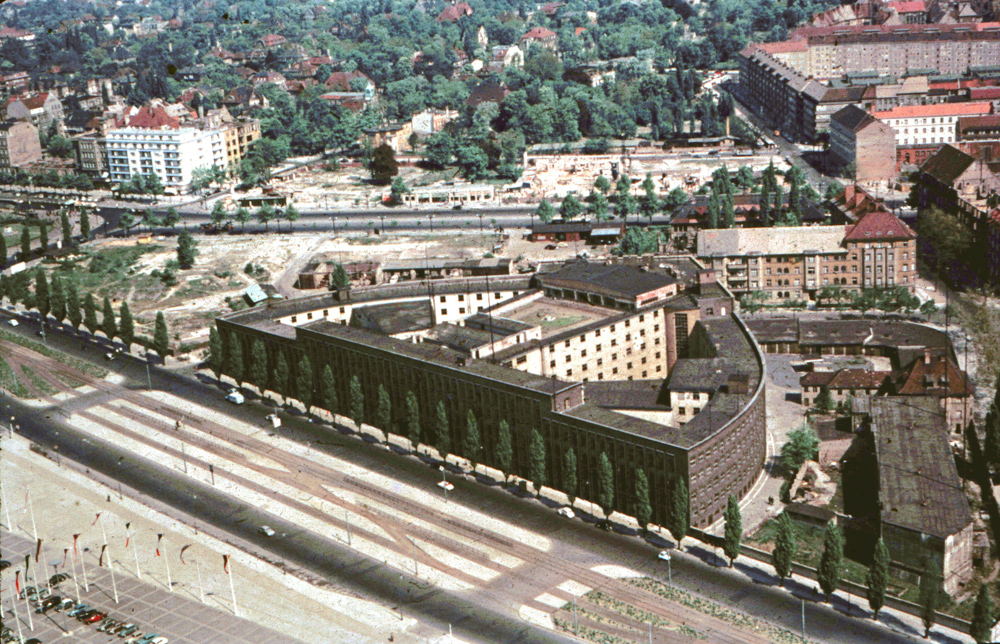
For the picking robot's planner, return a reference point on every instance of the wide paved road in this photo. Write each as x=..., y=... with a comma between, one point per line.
x=487, y=608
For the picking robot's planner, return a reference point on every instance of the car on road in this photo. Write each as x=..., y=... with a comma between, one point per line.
x=4, y=564
x=664, y=555
x=550, y=247
x=446, y=485
x=567, y=512
x=266, y=530
x=235, y=397
x=13, y=322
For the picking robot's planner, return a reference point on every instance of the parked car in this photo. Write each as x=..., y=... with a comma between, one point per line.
x=126, y=630
x=80, y=610
x=4, y=564
x=567, y=512
x=66, y=604
x=93, y=618
x=148, y=639
x=235, y=397
x=58, y=578
x=160, y=640
x=267, y=531
x=664, y=555
x=13, y=322
x=108, y=625
x=50, y=603
x=446, y=485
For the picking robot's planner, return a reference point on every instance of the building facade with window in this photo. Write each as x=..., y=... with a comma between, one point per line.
x=172, y=155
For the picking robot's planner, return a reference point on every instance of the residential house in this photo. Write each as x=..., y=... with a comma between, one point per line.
x=486, y=92
x=42, y=109
x=191, y=74
x=270, y=41
x=14, y=83
x=542, y=36
x=395, y=135
x=268, y=76
x=19, y=144
x=863, y=142
x=842, y=384
x=455, y=11
x=922, y=129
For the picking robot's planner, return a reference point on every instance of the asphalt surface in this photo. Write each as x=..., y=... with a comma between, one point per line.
x=743, y=588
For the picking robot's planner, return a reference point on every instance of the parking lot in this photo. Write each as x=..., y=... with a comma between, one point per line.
x=153, y=609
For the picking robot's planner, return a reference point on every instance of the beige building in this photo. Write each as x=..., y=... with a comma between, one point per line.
x=861, y=140
x=19, y=144
x=794, y=263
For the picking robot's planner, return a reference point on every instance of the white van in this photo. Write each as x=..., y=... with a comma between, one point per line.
x=235, y=397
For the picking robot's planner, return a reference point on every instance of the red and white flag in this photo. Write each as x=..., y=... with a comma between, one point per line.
x=182, y=553
x=75, y=537
x=100, y=560
x=17, y=581
x=128, y=535
x=38, y=550
x=96, y=519
x=159, y=538
x=65, y=554
x=225, y=563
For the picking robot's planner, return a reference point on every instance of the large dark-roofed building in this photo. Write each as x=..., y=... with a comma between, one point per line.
x=613, y=286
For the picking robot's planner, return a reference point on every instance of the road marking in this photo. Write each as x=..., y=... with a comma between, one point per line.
x=574, y=588
x=550, y=600
x=537, y=617
x=617, y=572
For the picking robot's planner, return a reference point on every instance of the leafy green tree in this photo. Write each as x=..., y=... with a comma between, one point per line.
x=258, y=365
x=85, y=226
x=42, y=302
x=472, y=446
x=399, y=189
x=73, y=305
x=25, y=243
x=413, y=419
x=215, y=355
x=733, y=531
x=328, y=388
x=67, y=231
x=108, y=324
x=649, y=204
x=234, y=359
x=784, y=547
x=602, y=184
x=570, y=208
x=930, y=597
x=127, y=221
x=187, y=249
x=728, y=211
x=3, y=250
x=57, y=300
x=304, y=382
x=473, y=161
x=243, y=216
x=281, y=376
x=831, y=560
x=824, y=402
x=545, y=211
x=439, y=149
x=949, y=240
x=675, y=199
x=219, y=213
x=292, y=215
x=43, y=237
x=643, y=509
x=383, y=166
x=161, y=336
x=878, y=578
x=625, y=204
x=679, y=510
x=714, y=213
x=357, y=401
x=744, y=176
x=569, y=475
x=339, y=277
x=172, y=218
x=442, y=430
x=505, y=448
x=265, y=215
x=126, y=327
x=802, y=445
x=605, y=484
x=536, y=461
x=636, y=241
x=983, y=616
x=383, y=410
x=599, y=206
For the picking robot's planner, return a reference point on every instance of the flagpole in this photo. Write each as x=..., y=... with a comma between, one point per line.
x=17, y=620
x=232, y=590
x=135, y=554
x=111, y=563
x=166, y=563
x=34, y=529
x=83, y=567
x=6, y=508
x=27, y=606
x=76, y=586
x=201, y=589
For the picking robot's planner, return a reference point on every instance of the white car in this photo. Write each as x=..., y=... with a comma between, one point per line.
x=13, y=322
x=446, y=485
x=567, y=512
x=235, y=397
x=664, y=555
x=267, y=531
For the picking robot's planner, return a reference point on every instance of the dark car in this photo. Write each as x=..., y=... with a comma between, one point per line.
x=50, y=603
x=34, y=640
x=58, y=578
x=4, y=564
x=79, y=610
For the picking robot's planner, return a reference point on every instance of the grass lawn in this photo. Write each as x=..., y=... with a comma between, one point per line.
x=9, y=382
x=81, y=365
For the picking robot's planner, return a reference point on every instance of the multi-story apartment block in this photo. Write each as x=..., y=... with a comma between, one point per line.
x=786, y=99
x=19, y=144
x=170, y=154
x=794, y=263
x=922, y=129
x=860, y=139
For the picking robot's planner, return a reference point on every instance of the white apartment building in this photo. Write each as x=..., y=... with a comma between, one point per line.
x=170, y=154
x=929, y=124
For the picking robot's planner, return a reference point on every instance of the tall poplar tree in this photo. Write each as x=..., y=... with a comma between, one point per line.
x=442, y=430
x=878, y=578
x=108, y=324
x=569, y=475
x=505, y=449
x=161, y=336
x=413, y=419
x=258, y=365
x=234, y=360
x=679, y=510
x=90, y=313
x=328, y=387
x=734, y=530
x=126, y=326
x=304, y=382
x=383, y=411
x=643, y=509
x=471, y=446
x=281, y=377
x=57, y=301
x=605, y=485
x=784, y=548
x=215, y=356
x=536, y=461
x=42, y=302
x=73, y=305
x=357, y=401
x=67, y=231
x=831, y=560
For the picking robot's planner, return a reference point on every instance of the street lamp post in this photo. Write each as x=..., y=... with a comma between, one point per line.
x=444, y=482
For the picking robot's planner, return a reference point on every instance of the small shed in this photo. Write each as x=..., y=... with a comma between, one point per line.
x=811, y=515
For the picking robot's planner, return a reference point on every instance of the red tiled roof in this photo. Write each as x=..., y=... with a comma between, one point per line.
x=270, y=40
x=938, y=109
x=341, y=81
x=785, y=46
x=155, y=118
x=879, y=225
x=984, y=93
x=538, y=33
x=454, y=12
x=936, y=376
x=35, y=101
x=845, y=379
x=914, y=6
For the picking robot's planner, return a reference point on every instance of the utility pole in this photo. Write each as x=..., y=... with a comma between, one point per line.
x=803, y=620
